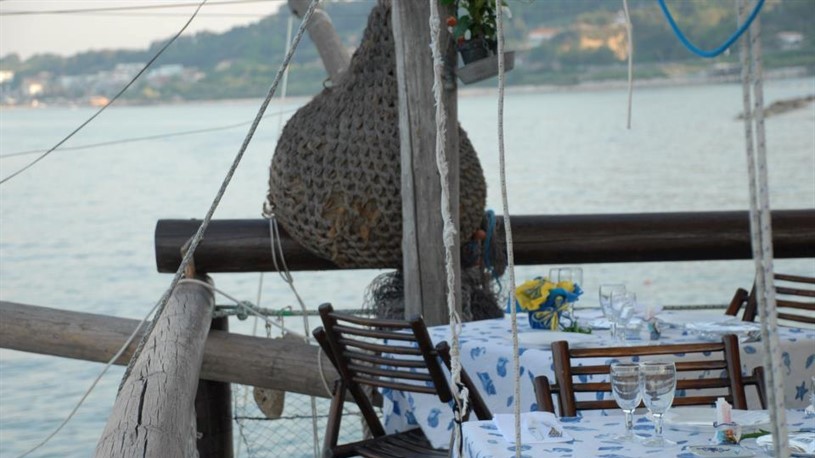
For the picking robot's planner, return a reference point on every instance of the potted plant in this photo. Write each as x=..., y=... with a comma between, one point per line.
x=473, y=27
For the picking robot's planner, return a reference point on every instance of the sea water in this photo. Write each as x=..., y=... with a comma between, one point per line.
x=76, y=230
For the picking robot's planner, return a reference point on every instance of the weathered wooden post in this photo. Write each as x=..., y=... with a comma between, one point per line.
x=422, y=244
x=154, y=413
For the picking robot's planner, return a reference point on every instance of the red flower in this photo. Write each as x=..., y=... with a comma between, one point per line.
x=451, y=21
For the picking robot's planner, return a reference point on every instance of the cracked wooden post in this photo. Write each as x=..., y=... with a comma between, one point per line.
x=154, y=413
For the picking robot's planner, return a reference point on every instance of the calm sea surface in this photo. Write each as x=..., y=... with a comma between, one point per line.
x=76, y=231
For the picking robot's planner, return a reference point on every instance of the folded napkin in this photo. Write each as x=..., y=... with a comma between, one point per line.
x=800, y=442
x=536, y=428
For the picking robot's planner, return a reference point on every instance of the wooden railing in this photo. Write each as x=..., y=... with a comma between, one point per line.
x=243, y=245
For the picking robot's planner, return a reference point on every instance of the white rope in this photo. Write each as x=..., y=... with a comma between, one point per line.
x=449, y=233
x=277, y=249
x=761, y=233
x=199, y=234
x=630, y=39
x=516, y=365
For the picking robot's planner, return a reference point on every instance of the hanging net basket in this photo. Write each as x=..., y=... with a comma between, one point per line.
x=335, y=175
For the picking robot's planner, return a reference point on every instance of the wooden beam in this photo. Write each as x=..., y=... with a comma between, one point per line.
x=154, y=412
x=334, y=55
x=422, y=225
x=243, y=245
x=281, y=364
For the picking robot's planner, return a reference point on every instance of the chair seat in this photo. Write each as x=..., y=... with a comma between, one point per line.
x=408, y=444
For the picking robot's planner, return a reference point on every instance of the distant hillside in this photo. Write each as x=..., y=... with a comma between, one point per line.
x=558, y=42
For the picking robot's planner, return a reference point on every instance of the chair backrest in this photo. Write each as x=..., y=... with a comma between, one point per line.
x=571, y=363
x=380, y=353
x=795, y=299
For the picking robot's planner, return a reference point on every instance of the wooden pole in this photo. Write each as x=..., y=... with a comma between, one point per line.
x=213, y=411
x=154, y=413
x=422, y=244
x=243, y=245
x=334, y=55
x=280, y=364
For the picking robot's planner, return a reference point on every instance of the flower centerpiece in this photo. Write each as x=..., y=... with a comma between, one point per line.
x=549, y=304
x=473, y=27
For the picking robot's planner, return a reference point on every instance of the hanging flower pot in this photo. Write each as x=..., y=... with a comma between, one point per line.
x=475, y=49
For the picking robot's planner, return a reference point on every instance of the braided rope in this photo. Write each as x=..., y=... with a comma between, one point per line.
x=516, y=364
x=199, y=234
x=761, y=232
x=449, y=232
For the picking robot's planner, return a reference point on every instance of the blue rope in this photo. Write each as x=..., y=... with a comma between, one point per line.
x=720, y=49
x=490, y=228
x=487, y=249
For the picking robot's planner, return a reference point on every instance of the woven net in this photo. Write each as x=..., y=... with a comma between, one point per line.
x=335, y=175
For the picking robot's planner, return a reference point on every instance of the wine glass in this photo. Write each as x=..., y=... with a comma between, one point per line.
x=625, y=386
x=658, y=384
x=605, y=303
x=622, y=305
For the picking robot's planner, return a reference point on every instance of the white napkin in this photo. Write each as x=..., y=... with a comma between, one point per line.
x=646, y=311
x=799, y=442
x=535, y=428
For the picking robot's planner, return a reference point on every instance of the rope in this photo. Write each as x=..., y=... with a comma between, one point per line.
x=630, y=39
x=516, y=365
x=761, y=234
x=285, y=274
x=716, y=51
x=113, y=99
x=205, y=223
x=449, y=233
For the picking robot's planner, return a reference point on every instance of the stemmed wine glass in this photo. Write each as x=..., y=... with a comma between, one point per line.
x=606, y=291
x=658, y=384
x=625, y=386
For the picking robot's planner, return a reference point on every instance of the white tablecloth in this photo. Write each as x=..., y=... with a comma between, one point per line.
x=593, y=435
x=486, y=354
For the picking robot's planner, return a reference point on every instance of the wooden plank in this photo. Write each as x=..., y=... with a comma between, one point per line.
x=333, y=54
x=281, y=364
x=422, y=225
x=243, y=245
x=154, y=412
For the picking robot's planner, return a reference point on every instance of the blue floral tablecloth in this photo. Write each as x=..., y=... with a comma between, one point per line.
x=486, y=354
x=592, y=437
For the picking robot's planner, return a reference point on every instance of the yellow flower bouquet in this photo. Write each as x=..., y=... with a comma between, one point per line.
x=549, y=304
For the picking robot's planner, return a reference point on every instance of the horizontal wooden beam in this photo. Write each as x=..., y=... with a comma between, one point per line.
x=281, y=364
x=243, y=245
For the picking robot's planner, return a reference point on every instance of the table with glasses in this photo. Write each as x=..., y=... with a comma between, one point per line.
x=593, y=433
x=487, y=355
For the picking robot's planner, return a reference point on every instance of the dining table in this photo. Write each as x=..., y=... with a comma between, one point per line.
x=593, y=435
x=486, y=353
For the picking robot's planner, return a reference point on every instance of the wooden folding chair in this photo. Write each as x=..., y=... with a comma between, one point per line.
x=794, y=300
x=568, y=364
x=379, y=353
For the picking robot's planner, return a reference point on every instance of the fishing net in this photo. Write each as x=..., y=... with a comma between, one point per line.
x=335, y=176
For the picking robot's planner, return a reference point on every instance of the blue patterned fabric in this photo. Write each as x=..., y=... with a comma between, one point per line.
x=486, y=354
x=593, y=434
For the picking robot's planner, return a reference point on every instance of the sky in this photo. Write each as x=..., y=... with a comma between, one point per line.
x=65, y=34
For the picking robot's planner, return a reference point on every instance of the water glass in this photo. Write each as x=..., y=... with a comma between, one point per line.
x=658, y=385
x=606, y=291
x=625, y=387
x=622, y=305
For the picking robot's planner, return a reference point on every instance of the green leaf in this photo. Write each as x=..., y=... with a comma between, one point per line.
x=756, y=434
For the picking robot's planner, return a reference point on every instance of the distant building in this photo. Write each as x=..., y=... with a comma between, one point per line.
x=6, y=76
x=537, y=36
x=789, y=40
